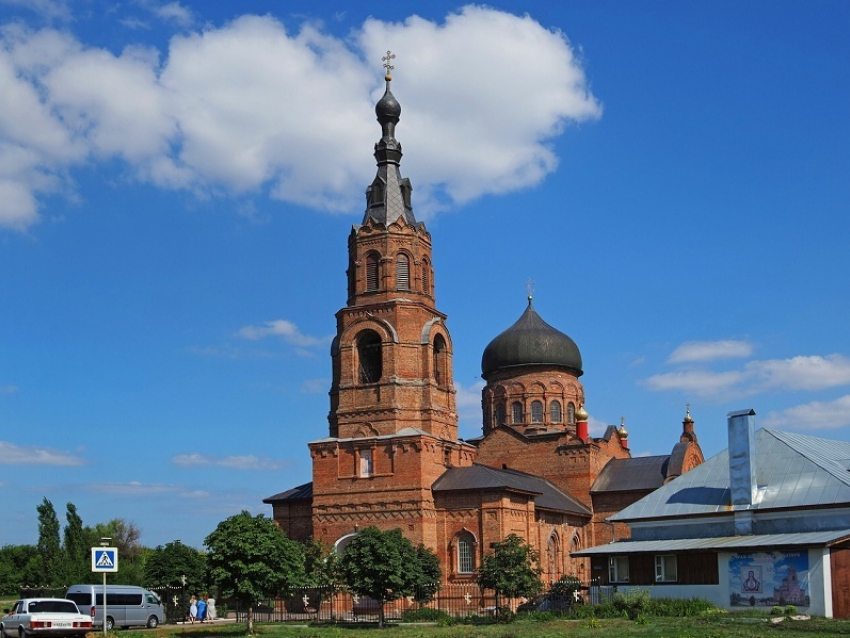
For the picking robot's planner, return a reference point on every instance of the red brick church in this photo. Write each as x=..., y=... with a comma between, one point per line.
x=392, y=457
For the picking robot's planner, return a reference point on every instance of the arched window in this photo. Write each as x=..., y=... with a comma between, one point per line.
x=465, y=553
x=342, y=543
x=440, y=360
x=516, y=412
x=537, y=412
x=373, y=263
x=571, y=413
x=426, y=276
x=402, y=272
x=500, y=413
x=370, y=357
x=553, y=555
x=555, y=415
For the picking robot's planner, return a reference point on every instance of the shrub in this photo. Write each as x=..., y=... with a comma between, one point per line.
x=424, y=614
x=790, y=610
x=505, y=615
x=776, y=610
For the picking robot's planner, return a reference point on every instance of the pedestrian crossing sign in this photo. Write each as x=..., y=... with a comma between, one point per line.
x=104, y=559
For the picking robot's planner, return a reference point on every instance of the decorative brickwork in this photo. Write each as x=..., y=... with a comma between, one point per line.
x=393, y=459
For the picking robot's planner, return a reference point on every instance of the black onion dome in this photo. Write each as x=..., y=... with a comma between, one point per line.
x=388, y=109
x=531, y=342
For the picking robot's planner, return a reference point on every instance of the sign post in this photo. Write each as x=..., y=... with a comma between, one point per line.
x=104, y=560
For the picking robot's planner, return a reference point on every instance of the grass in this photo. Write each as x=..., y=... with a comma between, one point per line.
x=725, y=626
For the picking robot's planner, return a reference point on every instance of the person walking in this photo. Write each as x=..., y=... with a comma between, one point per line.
x=193, y=609
x=202, y=609
x=211, y=608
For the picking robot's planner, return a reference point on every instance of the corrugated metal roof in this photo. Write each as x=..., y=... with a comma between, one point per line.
x=718, y=543
x=638, y=473
x=483, y=477
x=792, y=470
x=295, y=494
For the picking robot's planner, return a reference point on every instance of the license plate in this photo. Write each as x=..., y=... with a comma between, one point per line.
x=63, y=624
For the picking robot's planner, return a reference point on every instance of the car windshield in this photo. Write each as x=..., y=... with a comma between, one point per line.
x=53, y=606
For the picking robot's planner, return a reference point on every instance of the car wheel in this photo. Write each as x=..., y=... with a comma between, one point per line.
x=153, y=621
x=110, y=623
x=22, y=633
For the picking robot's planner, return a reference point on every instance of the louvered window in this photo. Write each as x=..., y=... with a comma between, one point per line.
x=571, y=413
x=372, y=264
x=555, y=415
x=402, y=272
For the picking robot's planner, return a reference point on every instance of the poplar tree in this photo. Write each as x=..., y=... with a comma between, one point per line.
x=76, y=547
x=49, y=549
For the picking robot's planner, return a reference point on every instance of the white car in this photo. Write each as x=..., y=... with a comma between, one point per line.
x=44, y=617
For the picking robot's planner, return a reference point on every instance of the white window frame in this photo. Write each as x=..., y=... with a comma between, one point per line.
x=618, y=569
x=666, y=568
x=367, y=467
x=465, y=554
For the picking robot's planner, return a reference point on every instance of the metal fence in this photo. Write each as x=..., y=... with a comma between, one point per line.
x=456, y=600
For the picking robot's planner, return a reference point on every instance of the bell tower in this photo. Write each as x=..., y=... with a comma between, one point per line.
x=392, y=355
x=393, y=423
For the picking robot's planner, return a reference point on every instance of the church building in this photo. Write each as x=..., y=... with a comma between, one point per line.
x=392, y=457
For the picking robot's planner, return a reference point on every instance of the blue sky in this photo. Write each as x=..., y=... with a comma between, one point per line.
x=178, y=180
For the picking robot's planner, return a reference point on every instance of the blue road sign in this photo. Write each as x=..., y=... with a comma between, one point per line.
x=104, y=559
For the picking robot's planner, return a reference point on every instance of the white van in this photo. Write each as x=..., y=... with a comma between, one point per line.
x=126, y=605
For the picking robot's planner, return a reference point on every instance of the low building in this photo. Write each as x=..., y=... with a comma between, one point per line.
x=765, y=522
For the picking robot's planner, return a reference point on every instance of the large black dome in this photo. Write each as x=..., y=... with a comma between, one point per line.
x=531, y=342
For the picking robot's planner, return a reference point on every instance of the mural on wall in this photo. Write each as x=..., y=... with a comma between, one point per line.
x=769, y=578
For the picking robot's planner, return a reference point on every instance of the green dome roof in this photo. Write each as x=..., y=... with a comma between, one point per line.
x=531, y=342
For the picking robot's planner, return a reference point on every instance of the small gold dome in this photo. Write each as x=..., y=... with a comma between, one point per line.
x=582, y=415
x=623, y=432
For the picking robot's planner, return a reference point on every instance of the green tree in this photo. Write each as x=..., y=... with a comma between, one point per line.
x=77, y=567
x=49, y=549
x=382, y=565
x=124, y=536
x=19, y=567
x=429, y=575
x=165, y=566
x=511, y=569
x=250, y=558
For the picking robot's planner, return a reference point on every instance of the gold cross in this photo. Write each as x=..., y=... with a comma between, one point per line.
x=387, y=59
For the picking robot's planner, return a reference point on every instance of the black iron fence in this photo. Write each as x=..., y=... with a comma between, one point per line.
x=456, y=600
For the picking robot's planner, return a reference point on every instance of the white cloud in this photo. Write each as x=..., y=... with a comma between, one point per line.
x=692, y=351
x=250, y=104
x=801, y=373
x=47, y=9
x=237, y=462
x=794, y=374
x=12, y=454
x=595, y=427
x=700, y=382
x=282, y=328
x=133, y=488
x=173, y=12
x=817, y=415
